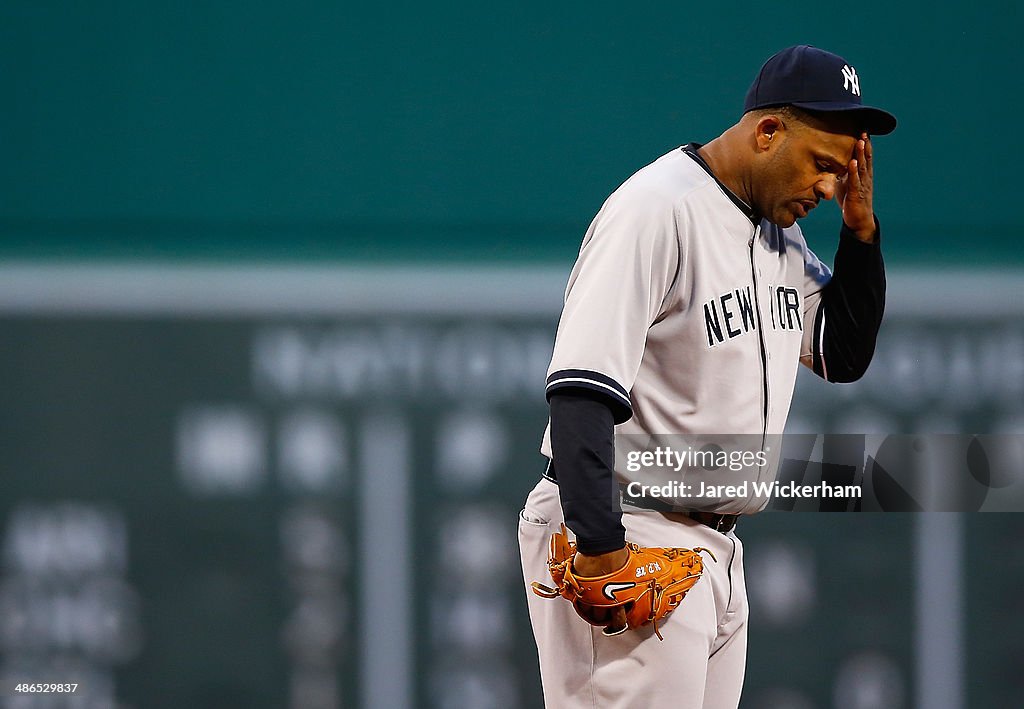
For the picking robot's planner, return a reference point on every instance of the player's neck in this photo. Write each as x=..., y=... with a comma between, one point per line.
x=725, y=160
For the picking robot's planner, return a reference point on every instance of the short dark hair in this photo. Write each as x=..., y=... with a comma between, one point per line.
x=831, y=121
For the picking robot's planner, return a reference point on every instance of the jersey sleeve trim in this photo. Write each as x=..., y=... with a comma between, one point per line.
x=818, y=344
x=613, y=392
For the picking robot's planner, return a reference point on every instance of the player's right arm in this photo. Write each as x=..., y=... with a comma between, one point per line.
x=618, y=287
x=582, y=437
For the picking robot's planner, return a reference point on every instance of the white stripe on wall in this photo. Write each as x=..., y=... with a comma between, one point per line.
x=939, y=642
x=134, y=289
x=385, y=564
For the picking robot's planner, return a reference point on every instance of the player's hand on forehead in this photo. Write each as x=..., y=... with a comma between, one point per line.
x=862, y=149
x=855, y=190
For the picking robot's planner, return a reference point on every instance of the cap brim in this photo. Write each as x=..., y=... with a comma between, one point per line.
x=875, y=120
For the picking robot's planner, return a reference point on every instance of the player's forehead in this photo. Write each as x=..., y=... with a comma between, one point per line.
x=837, y=146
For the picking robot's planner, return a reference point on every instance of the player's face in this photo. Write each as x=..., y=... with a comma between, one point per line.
x=800, y=170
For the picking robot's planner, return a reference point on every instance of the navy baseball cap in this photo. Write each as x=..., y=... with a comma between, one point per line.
x=816, y=80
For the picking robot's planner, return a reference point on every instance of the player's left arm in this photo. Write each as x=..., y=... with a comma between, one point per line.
x=845, y=315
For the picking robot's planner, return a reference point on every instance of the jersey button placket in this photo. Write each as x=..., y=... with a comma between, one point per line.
x=762, y=345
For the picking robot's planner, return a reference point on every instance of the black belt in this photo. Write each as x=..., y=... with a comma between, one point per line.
x=723, y=523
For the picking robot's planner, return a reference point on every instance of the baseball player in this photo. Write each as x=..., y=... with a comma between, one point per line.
x=693, y=299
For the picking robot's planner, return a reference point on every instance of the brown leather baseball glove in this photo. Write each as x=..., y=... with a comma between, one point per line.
x=649, y=587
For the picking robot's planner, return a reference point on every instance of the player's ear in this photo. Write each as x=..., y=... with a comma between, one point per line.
x=767, y=129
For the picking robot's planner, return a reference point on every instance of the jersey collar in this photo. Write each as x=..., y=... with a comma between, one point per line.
x=748, y=211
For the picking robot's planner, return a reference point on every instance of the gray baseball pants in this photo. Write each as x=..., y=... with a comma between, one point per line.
x=700, y=663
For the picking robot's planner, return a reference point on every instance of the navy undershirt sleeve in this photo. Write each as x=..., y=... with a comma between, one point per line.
x=583, y=457
x=851, y=309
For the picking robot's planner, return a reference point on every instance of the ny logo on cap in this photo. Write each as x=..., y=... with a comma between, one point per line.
x=850, y=80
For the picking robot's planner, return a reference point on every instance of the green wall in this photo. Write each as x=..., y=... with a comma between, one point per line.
x=456, y=130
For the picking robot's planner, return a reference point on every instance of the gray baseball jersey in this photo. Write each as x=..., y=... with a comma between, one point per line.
x=719, y=314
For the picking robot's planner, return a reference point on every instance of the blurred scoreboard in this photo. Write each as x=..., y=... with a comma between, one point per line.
x=259, y=513
x=298, y=488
